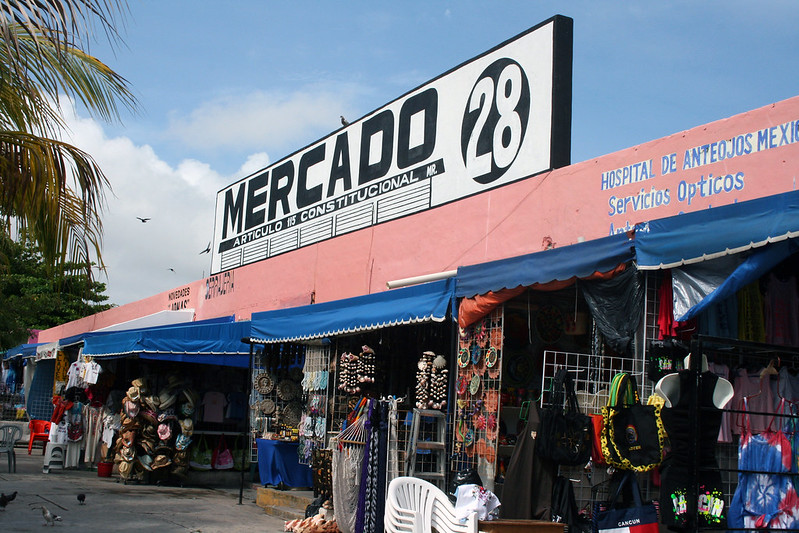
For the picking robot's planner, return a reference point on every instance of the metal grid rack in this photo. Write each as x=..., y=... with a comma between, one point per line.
x=315, y=386
x=592, y=375
x=279, y=360
x=477, y=404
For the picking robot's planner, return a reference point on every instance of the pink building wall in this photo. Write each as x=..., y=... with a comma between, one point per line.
x=682, y=172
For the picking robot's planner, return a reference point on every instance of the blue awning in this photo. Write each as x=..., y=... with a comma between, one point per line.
x=81, y=337
x=577, y=260
x=22, y=350
x=751, y=268
x=716, y=232
x=218, y=344
x=408, y=305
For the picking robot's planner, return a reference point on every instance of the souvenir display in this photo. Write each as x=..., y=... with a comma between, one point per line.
x=431, y=381
x=464, y=357
x=264, y=383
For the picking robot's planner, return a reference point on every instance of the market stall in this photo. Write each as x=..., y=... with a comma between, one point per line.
x=155, y=400
x=366, y=362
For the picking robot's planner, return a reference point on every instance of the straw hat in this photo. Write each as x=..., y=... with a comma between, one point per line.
x=167, y=398
x=134, y=393
x=125, y=469
x=161, y=461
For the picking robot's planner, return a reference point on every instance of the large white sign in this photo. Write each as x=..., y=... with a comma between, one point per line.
x=501, y=117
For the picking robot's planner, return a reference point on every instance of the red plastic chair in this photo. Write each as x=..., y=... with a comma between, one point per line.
x=40, y=430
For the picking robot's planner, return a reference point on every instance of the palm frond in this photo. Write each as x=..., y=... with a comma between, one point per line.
x=38, y=71
x=54, y=190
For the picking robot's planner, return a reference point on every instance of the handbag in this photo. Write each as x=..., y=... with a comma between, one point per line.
x=241, y=456
x=200, y=457
x=596, y=440
x=563, y=508
x=467, y=476
x=633, y=436
x=222, y=459
x=564, y=435
x=640, y=518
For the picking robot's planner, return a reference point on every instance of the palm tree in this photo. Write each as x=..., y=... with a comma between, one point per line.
x=49, y=189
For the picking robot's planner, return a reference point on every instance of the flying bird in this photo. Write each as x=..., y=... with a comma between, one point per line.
x=143, y=220
x=81, y=498
x=344, y=121
x=207, y=249
x=172, y=269
x=5, y=499
x=49, y=518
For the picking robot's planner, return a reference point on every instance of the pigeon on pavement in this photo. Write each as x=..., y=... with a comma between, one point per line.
x=49, y=518
x=81, y=498
x=5, y=499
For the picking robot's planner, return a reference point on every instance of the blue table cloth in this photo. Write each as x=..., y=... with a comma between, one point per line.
x=278, y=463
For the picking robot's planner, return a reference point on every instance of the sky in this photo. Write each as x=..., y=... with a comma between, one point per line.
x=226, y=88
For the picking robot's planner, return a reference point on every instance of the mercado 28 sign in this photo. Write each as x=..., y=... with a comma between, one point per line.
x=498, y=118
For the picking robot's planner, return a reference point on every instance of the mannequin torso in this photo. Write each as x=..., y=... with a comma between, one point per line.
x=668, y=387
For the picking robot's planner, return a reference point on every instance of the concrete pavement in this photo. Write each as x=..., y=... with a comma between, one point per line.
x=112, y=506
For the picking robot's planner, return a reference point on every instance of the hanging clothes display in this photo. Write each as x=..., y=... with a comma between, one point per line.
x=528, y=477
x=765, y=497
x=751, y=322
x=782, y=310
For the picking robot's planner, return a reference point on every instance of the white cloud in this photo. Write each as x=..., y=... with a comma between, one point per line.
x=179, y=202
x=254, y=163
x=261, y=119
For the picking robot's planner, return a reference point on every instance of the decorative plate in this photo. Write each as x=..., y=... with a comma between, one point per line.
x=264, y=383
x=474, y=385
x=267, y=406
x=476, y=353
x=491, y=357
x=549, y=324
x=291, y=414
x=287, y=390
x=463, y=384
x=463, y=357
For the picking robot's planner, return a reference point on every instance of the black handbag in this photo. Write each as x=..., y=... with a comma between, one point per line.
x=467, y=476
x=564, y=435
x=563, y=508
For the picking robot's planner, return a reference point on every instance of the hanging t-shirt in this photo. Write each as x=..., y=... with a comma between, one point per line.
x=782, y=311
x=757, y=390
x=74, y=375
x=237, y=405
x=214, y=407
x=92, y=371
x=751, y=324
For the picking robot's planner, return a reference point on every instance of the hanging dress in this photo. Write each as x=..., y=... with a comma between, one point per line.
x=765, y=497
x=527, y=491
x=679, y=510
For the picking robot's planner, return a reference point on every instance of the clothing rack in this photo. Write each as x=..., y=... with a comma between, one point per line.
x=735, y=354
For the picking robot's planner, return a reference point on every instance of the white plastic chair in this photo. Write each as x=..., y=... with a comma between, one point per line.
x=417, y=506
